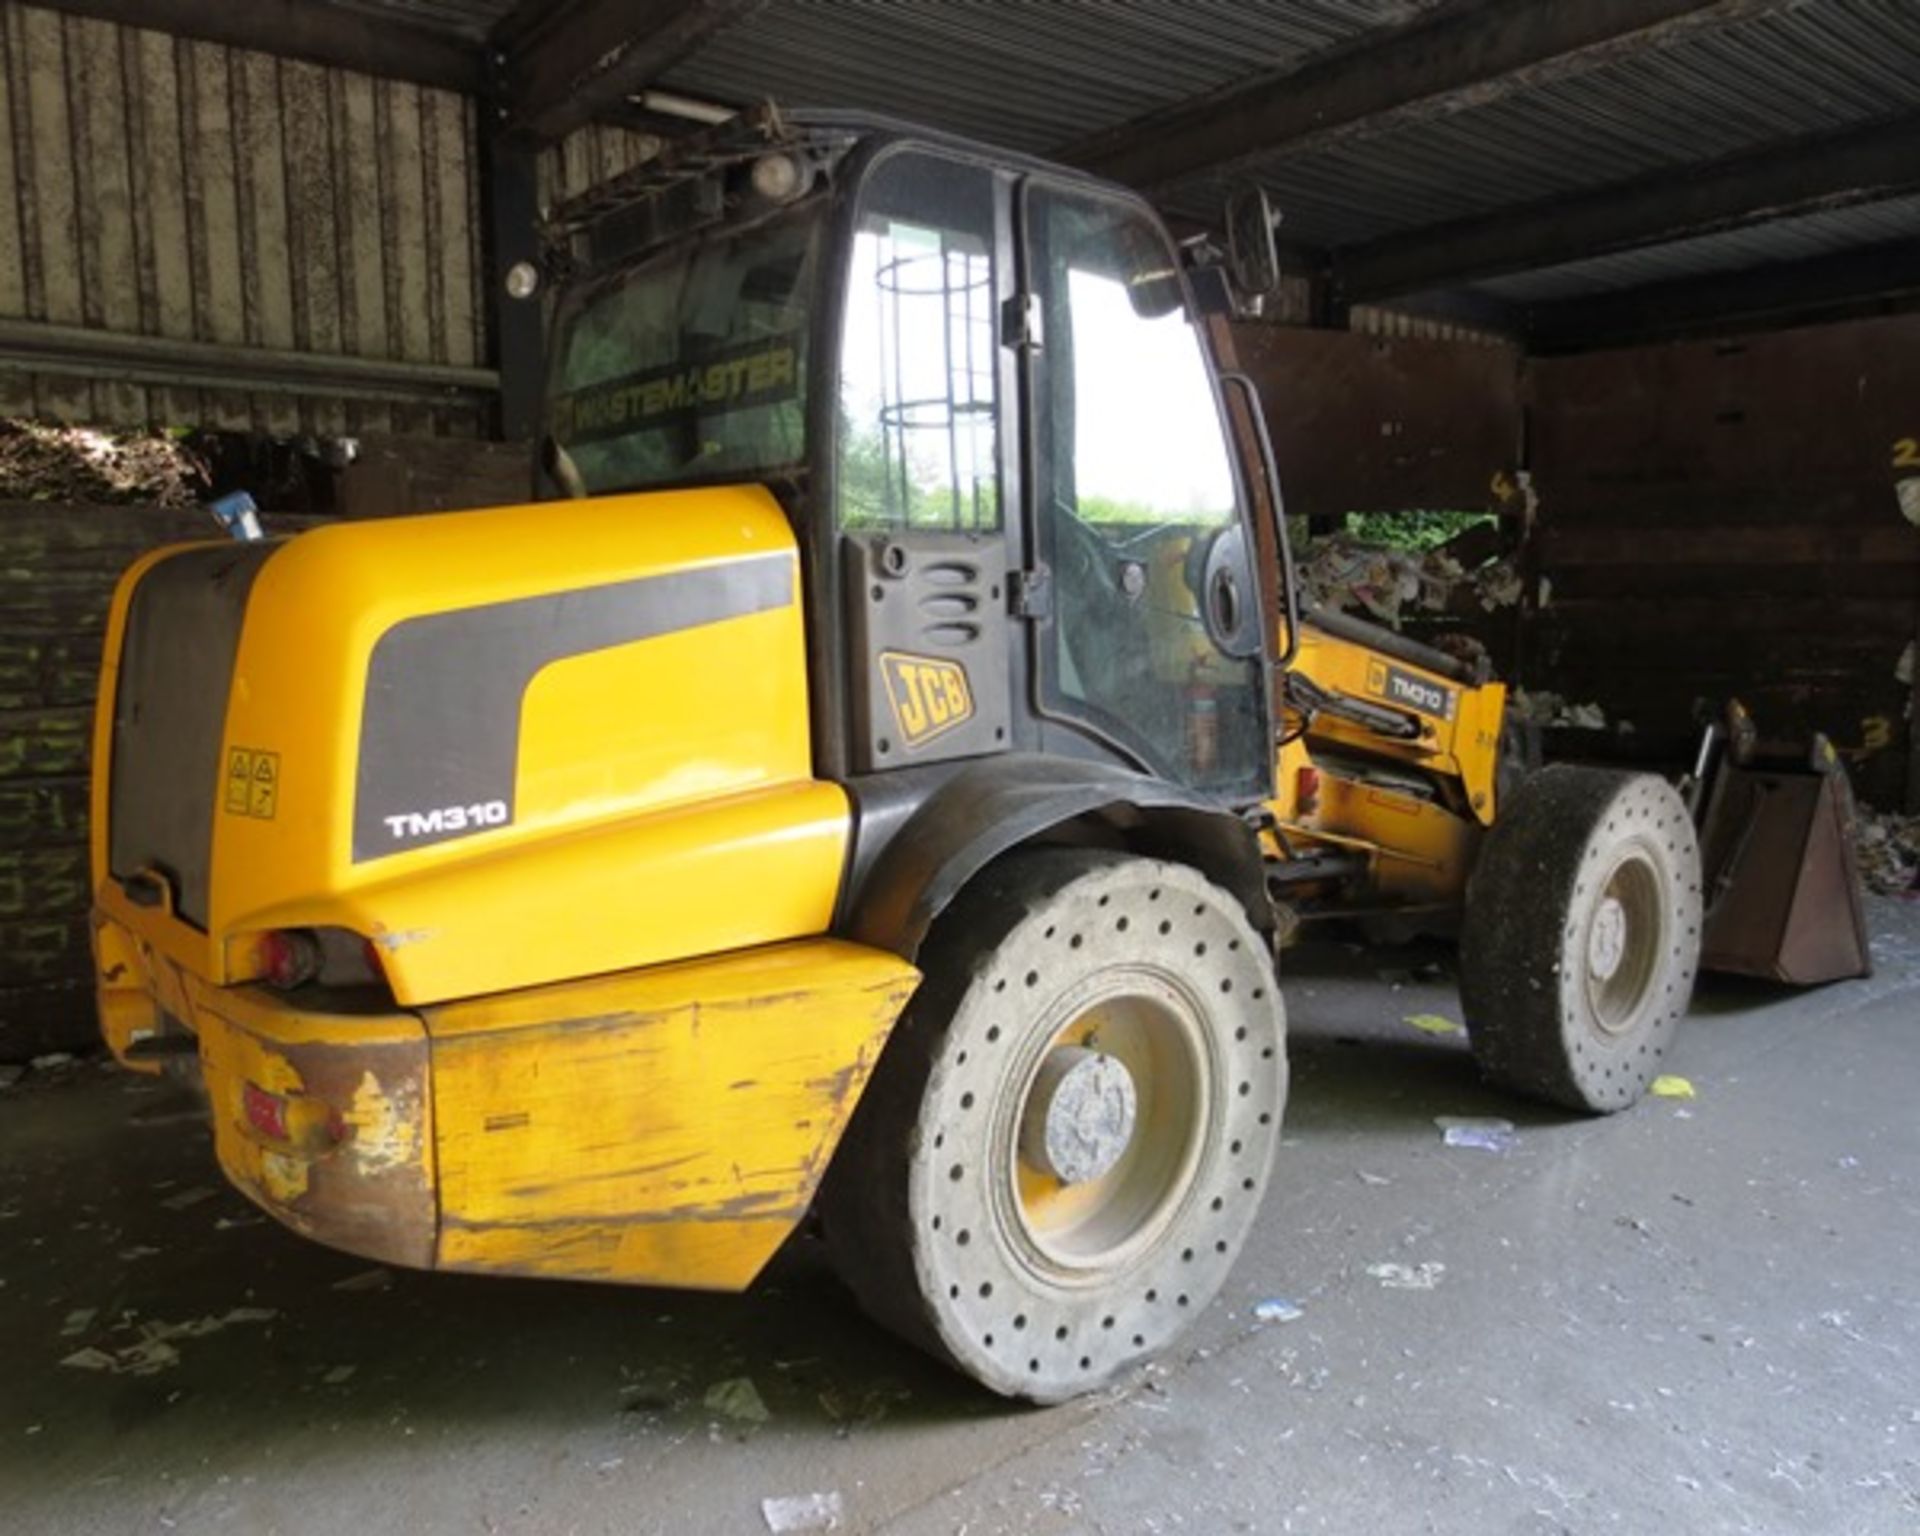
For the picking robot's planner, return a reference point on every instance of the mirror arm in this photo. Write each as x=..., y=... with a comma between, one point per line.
x=1270, y=472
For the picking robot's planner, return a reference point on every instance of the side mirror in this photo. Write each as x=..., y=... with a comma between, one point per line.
x=1253, y=255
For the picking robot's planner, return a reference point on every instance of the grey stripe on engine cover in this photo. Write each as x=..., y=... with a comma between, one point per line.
x=441, y=730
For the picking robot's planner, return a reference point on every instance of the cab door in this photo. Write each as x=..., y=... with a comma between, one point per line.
x=1148, y=642
x=923, y=545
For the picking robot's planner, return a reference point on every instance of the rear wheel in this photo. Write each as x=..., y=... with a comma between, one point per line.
x=1062, y=1150
x=1582, y=936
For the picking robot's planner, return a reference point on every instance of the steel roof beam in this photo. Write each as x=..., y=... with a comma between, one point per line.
x=565, y=65
x=1808, y=176
x=300, y=29
x=1777, y=293
x=1459, y=57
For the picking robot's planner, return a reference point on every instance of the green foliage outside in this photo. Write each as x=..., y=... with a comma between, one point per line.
x=871, y=486
x=1415, y=532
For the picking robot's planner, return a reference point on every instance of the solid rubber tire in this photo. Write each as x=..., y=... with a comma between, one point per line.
x=1533, y=895
x=907, y=1209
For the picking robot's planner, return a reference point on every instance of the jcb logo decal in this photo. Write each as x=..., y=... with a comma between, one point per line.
x=928, y=696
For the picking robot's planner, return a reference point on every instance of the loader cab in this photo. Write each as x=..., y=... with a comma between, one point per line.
x=982, y=390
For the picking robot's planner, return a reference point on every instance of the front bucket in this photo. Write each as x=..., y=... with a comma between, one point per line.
x=1783, y=889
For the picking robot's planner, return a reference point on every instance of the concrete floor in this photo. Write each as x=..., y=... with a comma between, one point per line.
x=1694, y=1317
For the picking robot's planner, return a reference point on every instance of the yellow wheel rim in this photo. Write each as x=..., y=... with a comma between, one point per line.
x=1096, y=1223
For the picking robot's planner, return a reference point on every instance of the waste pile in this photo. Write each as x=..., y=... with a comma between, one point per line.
x=1543, y=707
x=1888, y=846
x=43, y=462
x=1356, y=575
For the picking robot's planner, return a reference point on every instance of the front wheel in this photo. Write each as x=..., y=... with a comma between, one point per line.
x=1582, y=936
x=1062, y=1150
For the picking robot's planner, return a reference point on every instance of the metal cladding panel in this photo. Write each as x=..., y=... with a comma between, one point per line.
x=588, y=156
x=1814, y=68
x=184, y=190
x=1031, y=76
x=472, y=19
x=1816, y=234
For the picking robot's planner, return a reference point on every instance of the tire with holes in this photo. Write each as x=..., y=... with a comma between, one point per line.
x=1066, y=1141
x=1582, y=936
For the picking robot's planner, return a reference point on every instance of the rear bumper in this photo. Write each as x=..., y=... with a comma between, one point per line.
x=663, y=1126
x=355, y=1170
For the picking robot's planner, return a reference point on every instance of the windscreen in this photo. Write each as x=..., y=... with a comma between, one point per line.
x=693, y=365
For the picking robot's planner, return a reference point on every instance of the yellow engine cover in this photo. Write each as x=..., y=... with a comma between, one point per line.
x=512, y=746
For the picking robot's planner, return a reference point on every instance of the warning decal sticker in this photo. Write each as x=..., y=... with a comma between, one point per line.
x=253, y=783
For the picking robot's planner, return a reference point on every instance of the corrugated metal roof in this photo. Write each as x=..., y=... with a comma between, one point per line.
x=1030, y=76
x=1038, y=75
x=470, y=19
x=1818, y=69
x=1816, y=234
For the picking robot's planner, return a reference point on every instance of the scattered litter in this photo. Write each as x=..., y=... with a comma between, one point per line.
x=1377, y=1180
x=869, y=1409
x=366, y=1280
x=79, y=1320
x=739, y=1399
x=153, y=1351
x=803, y=1512
x=1542, y=707
x=52, y=1061
x=187, y=1198
x=1848, y=1162
x=234, y=1315
x=1667, y=1086
x=1408, y=1277
x=1434, y=1024
x=1887, y=845
x=147, y=1358
x=230, y=1223
x=339, y=1374
x=137, y=1251
x=1482, y=1133
x=1277, y=1309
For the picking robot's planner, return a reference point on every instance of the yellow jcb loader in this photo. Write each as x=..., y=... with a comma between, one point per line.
x=877, y=771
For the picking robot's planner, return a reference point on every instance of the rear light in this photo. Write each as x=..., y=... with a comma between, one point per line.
x=296, y=1121
x=266, y=1112
x=286, y=958
x=289, y=957
x=1306, y=799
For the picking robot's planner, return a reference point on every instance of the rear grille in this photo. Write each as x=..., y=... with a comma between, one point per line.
x=176, y=665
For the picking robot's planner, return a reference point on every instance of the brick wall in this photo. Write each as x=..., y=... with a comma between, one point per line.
x=58, y=564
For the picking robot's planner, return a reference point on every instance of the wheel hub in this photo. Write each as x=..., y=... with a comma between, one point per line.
x=1079, y=1115
x=1607, y=943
